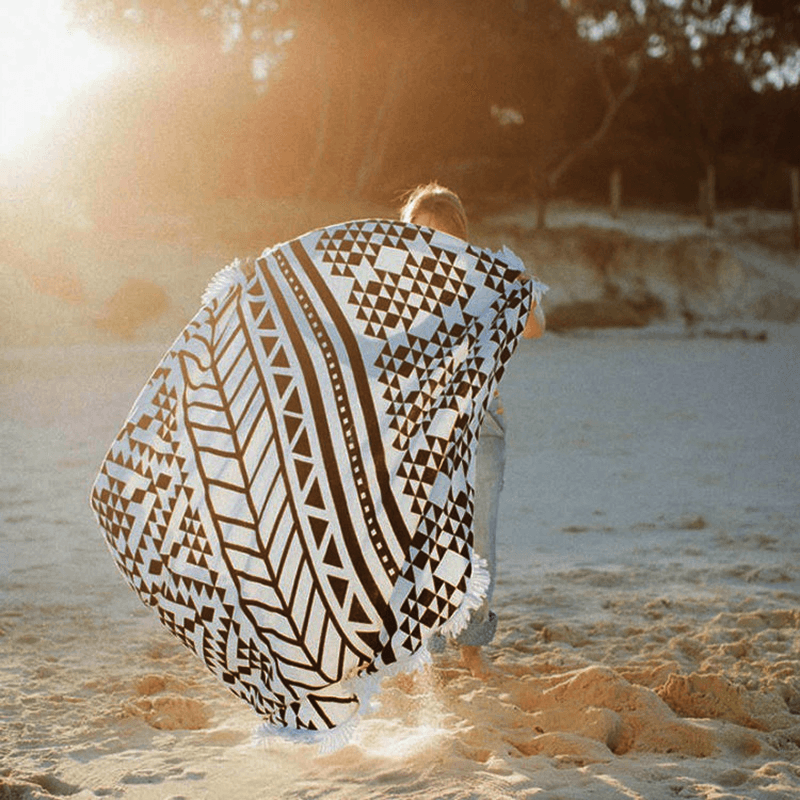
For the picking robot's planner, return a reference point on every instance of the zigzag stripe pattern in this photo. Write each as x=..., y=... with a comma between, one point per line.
x=292, y=490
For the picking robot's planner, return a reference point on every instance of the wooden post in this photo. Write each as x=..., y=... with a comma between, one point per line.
x=795, y=175
x=616, y=192
x=702, y=199
x=710, y=192
x=541, y=211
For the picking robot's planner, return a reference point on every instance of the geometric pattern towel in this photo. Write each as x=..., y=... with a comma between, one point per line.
x=292, y=491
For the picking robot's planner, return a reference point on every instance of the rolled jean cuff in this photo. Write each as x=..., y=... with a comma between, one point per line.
x=479, y=633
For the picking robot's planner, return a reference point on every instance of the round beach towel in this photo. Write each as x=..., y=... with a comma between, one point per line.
x=292, y=491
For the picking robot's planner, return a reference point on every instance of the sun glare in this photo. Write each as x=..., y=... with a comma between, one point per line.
x=42, y=64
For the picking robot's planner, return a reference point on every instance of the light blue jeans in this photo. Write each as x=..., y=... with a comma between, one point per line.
x=489, y=468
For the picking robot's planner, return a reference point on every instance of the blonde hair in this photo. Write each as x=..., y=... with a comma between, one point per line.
x=441, y=204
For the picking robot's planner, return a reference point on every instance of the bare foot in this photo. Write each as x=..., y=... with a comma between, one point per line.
x=472, y=658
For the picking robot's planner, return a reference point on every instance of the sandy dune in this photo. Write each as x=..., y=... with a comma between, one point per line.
x=649, y=588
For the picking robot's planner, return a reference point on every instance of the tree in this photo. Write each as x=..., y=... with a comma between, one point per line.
x=351, y=98
x=779, y=21
x=705, y=59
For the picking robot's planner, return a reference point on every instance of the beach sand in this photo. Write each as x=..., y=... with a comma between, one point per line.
x=648, y=596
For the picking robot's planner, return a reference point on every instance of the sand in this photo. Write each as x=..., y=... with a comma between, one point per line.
x=648, y=596
x=648, y=591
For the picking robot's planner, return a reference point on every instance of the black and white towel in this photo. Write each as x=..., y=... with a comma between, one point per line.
x=292, y=491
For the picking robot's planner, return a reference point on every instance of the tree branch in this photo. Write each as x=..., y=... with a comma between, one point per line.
x=613, y=104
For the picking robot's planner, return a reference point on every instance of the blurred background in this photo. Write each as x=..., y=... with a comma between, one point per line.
x=185, y=132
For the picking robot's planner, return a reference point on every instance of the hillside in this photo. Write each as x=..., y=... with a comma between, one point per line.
x=140, y=276
x=649, y=266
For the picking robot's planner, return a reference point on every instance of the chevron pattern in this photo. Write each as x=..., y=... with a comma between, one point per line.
x=292, y=490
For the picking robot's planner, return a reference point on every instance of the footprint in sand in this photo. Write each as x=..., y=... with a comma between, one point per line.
x=166, y=711
x=715, y=697
x=588, y=715
x=141, y=778
x=30, y=786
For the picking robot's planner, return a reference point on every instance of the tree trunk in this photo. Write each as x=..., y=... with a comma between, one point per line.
x=380, y=131
x=321, y=133
x=252, y=161
x=616, y=192
x=710, y=196
x=702, y=198
x=411, y=53
x=542, y=201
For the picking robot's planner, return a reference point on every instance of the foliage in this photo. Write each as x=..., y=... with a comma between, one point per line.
x=348, y=98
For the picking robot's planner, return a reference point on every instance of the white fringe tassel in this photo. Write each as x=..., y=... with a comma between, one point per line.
x=364, y=687
x=221, y=282
x=477, y=587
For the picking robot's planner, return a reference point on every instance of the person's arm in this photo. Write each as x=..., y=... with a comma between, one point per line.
x=535, y=324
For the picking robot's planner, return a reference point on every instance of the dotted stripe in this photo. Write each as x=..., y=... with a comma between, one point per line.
x=345, y=414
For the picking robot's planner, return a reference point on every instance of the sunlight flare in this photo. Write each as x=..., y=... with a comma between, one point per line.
x=42, y=65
